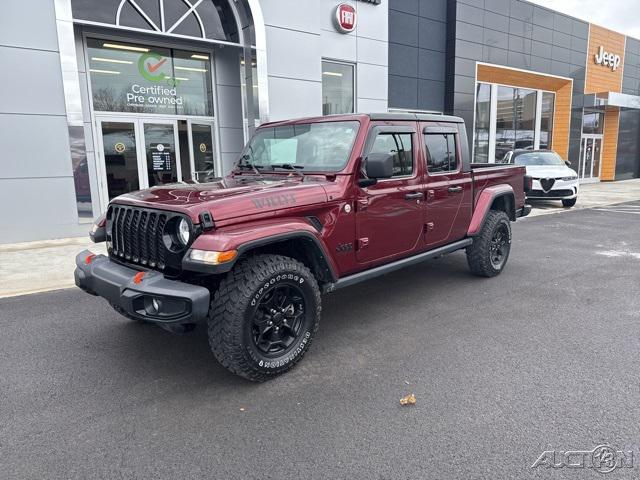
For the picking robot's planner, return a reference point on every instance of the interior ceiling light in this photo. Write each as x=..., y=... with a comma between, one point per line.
x=119, y=46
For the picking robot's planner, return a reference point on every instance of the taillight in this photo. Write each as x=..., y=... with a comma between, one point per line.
x=528, y=183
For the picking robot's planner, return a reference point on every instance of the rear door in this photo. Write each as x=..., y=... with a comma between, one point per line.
x=390, y=214
x=448, y=188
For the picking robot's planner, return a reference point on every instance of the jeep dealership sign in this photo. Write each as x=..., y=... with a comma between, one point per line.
x=607, y=59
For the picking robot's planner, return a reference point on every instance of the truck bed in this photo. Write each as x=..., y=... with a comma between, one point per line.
x=490, y=174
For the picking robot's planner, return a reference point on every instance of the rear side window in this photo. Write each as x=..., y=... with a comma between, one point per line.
x=441, y=152
x=400, y=146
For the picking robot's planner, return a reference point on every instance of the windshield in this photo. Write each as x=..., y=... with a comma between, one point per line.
x=322, y=146
x=538, y=158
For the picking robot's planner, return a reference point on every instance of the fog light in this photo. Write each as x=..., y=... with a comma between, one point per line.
x=213, y=258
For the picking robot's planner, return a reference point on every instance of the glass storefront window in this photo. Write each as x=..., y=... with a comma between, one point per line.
x=129, y=77
x=593, y=123
x=337, y=88
x=515, y=120
x=546, y=120
x=483, y=122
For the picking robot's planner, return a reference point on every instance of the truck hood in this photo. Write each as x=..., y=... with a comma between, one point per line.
x=231, y=197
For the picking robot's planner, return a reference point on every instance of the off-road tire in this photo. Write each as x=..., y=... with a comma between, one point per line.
x=125, y=314
x=479, y=253
x=231, y=315
x=570, y=202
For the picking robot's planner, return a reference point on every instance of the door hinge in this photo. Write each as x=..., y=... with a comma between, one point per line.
x=429, y=226
x=430, y=195
x=363, y=243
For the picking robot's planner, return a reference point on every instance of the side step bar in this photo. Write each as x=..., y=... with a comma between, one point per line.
x=397, y=265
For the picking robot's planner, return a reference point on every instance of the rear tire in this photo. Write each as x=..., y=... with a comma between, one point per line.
x=263, y=316
x=488, y=254
x=568, y=203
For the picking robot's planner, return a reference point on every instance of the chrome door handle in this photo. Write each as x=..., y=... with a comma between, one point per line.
x=414, y=196
x=455, y=189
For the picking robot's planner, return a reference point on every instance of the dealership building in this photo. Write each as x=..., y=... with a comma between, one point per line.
x=110, y=96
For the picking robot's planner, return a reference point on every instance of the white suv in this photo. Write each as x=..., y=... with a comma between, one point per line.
x=552, y=177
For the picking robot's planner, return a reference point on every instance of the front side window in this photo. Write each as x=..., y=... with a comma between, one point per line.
x=320, y=146
x=337, y=88
x=441, y=152
x=398, y=145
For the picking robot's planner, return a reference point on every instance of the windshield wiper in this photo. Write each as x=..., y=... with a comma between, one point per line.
x=288, y=166
x=244, y=163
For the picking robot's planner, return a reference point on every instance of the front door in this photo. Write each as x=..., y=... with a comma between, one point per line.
x=590, y=155
x=390, y=214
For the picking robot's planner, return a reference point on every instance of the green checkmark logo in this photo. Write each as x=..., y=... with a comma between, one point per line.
x=149, y=63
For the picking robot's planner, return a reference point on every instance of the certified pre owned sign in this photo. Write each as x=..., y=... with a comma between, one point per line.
x=345, y=18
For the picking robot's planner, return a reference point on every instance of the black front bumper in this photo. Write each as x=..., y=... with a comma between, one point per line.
x=175, y=302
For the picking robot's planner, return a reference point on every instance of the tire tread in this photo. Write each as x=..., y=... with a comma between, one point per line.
x=227, y=311
x=478, y=253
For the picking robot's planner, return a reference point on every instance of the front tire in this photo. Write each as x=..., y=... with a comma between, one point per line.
x=488, y=254
x=570, y=202
x=264, y=316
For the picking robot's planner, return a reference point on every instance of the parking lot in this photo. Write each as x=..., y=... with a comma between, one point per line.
x=541, y=358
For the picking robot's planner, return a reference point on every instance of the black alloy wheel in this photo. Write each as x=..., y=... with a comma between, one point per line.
x=278, y=319
x=499, y=248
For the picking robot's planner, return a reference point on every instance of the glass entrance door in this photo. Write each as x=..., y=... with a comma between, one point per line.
x=161, y=152
x=202, y=149
x=118, y=147
x=135, y=154
x=590, y=154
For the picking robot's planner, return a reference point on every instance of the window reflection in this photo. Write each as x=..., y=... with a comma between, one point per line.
x=337, y=88
x=135, y=78
x=546, y=120
x=515, y=120
x=483, y=122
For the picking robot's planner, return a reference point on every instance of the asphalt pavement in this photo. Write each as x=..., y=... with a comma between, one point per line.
x=544, y=357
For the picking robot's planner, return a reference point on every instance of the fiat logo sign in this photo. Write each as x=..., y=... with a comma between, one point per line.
x=345, y=18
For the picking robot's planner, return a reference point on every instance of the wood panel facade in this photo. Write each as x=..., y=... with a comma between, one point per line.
x=602, y=78
x=563, y=88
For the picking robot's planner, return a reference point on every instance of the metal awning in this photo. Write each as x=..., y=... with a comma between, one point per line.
x=615, y=99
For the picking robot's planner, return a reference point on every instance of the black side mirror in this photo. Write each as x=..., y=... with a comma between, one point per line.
x=379, y=165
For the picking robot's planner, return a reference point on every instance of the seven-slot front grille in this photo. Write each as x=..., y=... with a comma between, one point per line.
x=136, y=235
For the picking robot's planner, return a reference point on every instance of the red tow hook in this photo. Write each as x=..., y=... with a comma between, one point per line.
x=89, y=258
x=137, y=278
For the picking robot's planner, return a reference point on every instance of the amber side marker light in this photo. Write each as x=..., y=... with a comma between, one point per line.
x=213, y=258
x=137, y=278
x=89, y=258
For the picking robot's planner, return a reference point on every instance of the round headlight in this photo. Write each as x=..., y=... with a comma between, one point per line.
x=183, y=232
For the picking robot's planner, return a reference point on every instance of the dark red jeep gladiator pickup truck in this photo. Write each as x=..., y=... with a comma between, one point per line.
x=312, y=205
